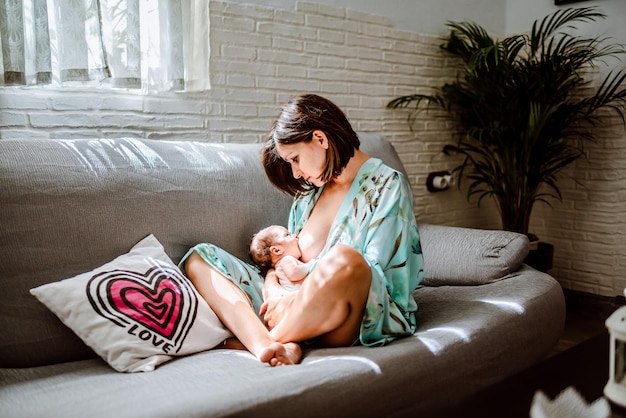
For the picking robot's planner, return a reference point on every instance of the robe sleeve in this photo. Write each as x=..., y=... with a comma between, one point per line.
x=392, y=247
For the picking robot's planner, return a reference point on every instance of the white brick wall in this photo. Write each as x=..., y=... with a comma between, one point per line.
x=588, y=228
x=262, y=56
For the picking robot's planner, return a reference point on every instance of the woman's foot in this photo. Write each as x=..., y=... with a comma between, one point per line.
x=278, y=354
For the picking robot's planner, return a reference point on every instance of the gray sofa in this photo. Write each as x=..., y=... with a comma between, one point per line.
x=68, y=206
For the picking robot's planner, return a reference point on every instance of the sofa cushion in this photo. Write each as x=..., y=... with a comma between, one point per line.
x=465, y=256
x=136, y=311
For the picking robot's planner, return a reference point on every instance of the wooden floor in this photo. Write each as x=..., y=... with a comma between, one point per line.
x=585, y=318
x=578, y=328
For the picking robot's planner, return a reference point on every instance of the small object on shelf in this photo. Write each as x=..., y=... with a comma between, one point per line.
x=568, y=403
x=615, y=388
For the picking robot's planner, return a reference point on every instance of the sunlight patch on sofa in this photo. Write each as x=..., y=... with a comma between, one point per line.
x=369, y=363
x=433, y=346
x=437, y=345
x=507, y=305
x=240, y=353
x=101, y=156
x=460, y=332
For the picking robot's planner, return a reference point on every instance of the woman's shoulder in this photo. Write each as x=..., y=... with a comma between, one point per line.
x=376, y=169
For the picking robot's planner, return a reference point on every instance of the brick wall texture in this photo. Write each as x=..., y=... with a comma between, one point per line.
x=262, y=56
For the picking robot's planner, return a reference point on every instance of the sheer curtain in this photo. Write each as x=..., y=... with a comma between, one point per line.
x=153, y=45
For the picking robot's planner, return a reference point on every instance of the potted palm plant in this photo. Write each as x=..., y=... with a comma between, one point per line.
x=523, y=107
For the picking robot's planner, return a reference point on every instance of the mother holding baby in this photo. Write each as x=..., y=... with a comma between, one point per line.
x=353, y=216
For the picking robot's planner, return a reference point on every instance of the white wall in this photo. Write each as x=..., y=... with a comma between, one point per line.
x=521, y=14
x=587, y=228
x=497, y=16
x=421, y=16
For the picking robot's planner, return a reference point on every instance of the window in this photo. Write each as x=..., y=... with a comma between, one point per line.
x=135, y=44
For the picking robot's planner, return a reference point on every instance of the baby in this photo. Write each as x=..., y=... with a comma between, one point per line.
x=276, y=247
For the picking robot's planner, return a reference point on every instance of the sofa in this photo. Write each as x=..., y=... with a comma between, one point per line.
x=71, y=206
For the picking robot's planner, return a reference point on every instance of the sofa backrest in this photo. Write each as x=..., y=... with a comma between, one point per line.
x=68, y=206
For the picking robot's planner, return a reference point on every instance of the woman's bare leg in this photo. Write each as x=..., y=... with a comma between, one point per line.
x=330, y=302
x=236, y=313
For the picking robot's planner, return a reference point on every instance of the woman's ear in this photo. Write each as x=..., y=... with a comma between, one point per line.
x=321, y=138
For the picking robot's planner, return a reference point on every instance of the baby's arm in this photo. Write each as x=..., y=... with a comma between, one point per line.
x=290, y=270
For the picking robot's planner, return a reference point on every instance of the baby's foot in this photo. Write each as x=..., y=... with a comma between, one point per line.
x=278, y=354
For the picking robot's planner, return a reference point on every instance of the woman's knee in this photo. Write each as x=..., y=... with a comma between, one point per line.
x=212, y=285
x=201, y=273
x=195, y=267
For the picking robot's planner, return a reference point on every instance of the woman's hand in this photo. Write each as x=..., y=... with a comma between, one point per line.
x=273, y=294
x=271, y=286
x=274, y=308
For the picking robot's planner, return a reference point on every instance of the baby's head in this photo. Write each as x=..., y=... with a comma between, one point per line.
x=271, y=244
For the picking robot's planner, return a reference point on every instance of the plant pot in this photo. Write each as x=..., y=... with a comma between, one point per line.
x=542, y=257
x=533, y=241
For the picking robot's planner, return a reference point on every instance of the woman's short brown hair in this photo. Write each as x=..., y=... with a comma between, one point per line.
x=296, y=122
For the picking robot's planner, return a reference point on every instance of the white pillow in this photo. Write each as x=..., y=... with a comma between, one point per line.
x=136, y=311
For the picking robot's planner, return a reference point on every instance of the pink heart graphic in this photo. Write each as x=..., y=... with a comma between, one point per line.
x=157, y=309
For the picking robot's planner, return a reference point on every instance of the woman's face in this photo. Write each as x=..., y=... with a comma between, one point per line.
x=307, y=159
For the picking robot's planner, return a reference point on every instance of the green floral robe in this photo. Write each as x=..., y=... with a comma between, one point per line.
x=376, y=218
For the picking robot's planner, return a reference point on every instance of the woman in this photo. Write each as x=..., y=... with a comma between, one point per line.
x=354, y=218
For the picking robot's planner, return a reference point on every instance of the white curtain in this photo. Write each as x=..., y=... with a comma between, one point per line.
x=153, y=45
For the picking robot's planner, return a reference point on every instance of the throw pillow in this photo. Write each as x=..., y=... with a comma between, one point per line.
x=136, y=311
x=458, y=256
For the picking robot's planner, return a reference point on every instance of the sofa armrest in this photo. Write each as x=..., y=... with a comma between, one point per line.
x=465, y=256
